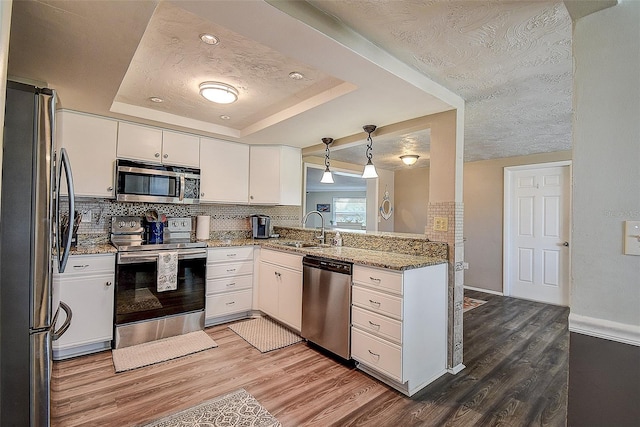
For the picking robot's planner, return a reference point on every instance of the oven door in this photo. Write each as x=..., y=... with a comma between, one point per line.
x=137, y=298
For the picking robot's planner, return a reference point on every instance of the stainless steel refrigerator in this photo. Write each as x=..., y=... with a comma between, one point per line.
x=29, y=228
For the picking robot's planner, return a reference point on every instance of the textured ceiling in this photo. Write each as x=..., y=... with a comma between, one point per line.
x=380, y=62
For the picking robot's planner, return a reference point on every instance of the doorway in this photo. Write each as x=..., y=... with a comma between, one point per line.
x=536, y=232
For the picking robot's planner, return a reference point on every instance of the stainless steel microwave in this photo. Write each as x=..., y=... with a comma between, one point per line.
x=142, y=182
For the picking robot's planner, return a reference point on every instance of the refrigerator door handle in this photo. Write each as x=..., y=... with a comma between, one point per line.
x=63, y=253
x=67, y=322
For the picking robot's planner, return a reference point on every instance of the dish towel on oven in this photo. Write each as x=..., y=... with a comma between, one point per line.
x=167, y=271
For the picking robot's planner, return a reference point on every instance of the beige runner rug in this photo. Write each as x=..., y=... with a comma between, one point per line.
x=235, y=409
x=149, y=353
x=471, y=303
x=265, y=334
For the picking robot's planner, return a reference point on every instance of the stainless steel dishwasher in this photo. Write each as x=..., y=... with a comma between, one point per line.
x=326, y=304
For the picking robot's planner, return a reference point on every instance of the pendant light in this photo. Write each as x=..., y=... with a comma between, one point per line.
x=369, y=168
x=327, y=177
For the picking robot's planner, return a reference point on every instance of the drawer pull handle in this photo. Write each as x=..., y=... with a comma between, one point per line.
x=231, y=302
x=81, y=266
x=230, y=270
x=377, y=356
x=231, y=284
x=374, y=325
x=374, y=302
x=230, y=255
x=108, y=283
x=375, y=279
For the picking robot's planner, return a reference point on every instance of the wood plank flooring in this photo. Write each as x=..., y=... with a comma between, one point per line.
x=516, y=357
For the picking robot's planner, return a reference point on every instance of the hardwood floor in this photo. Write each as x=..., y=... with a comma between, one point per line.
x=516, y=357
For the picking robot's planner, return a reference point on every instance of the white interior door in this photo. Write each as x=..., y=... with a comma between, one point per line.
x=537, y=215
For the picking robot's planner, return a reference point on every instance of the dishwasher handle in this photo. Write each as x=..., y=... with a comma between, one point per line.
x=327, y=264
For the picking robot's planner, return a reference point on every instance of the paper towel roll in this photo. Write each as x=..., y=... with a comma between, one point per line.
x=202, y=227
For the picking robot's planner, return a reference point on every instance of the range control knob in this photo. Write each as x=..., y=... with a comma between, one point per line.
x=184, y=223
x=132, y=224
x=121, y=224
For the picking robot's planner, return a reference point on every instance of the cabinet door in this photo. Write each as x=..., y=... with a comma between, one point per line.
x=224, y=171
x=91, y=144
x=138, y=142
x=268, y=288
x=91, y=301
x=290, y=176
x=290, y=298
x=264, y=175
x=180, y=149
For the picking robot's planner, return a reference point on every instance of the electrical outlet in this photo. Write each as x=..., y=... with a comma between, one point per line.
x=86, y=216
x=440, y=223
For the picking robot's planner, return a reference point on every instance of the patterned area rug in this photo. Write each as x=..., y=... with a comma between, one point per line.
x=149, y=353
x=471, y=303
x=265, y=334
x=234, y=409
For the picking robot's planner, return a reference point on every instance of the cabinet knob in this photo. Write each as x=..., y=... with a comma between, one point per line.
x=109, y=188
x=157, y=155
x=108, y=283
x=201, y=194
x=251, y=197
x=166, y=156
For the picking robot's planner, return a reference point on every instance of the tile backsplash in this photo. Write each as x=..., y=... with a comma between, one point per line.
x=224, y=218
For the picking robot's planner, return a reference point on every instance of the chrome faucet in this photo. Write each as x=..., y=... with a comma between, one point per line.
x=304, y=221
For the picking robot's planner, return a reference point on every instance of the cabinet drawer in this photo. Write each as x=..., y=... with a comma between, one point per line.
x=237, y=253
x=380, y=355
x=381, y=279
x=229, y=303
x=283, y=259
x=377, y=324
x=377, y=301
x=215, y=271
x=83, y=264
x=227, y=284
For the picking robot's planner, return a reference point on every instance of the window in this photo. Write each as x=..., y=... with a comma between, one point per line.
x=350, y=211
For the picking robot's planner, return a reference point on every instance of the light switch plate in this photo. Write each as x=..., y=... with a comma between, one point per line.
x=632, y=237
x=86, y=216
x=440, y=223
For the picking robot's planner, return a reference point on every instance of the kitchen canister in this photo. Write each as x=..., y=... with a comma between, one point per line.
x=202, y=227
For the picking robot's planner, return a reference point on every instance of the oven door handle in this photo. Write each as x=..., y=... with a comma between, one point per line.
x=140, y=257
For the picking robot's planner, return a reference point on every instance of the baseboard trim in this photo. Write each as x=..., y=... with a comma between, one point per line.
x=606, y=329
x=459, y=367
x=486, y=291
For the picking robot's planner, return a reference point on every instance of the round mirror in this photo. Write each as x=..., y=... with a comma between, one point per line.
x=385, y=207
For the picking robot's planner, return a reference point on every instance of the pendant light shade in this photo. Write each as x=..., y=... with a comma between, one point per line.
x=369, y=168
x=327, y=177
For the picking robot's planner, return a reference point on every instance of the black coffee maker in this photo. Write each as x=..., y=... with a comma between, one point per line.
x=261, y=226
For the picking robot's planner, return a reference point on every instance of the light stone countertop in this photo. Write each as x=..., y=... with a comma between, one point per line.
x=371, y=258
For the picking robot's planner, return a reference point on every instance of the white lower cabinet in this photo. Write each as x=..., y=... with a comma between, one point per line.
x=87, y=287
x=399, y=325
x=280, y=288
x=229, y=284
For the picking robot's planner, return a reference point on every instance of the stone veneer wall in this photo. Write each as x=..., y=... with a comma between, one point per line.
x=227, y=221
x=454, y=212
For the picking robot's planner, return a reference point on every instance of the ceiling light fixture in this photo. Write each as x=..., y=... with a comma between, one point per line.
x=220, y=93
x=327, y=177
x=156, y=99
x=209, y=39
x=409, y=159
x=369, y=168
x=296, y=75
x=225, y=117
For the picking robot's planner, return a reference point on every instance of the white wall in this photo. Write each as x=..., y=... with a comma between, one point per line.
x=605, y=291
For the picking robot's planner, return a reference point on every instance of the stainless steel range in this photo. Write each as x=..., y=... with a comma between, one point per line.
x=159, y=288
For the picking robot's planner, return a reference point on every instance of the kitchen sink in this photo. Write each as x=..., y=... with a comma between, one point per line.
x=307, y=245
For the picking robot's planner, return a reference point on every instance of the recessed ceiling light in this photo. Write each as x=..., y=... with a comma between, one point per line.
x=156, y=99
x=209, y=39
x=223, y=117
x=218, y=92
x=296, y=75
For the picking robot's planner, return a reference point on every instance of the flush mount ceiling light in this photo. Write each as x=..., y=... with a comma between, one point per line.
x=220, y=93
x=225, y=117
x=409, y=159
x=327, y=177
x=369, y=168
x=209, y=39
x=156, y=99
x=296, y=75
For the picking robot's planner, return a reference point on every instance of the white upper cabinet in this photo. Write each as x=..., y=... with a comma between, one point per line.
x=155, y=145
x=275, y=175
x=224, y=171
x=91, y=144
